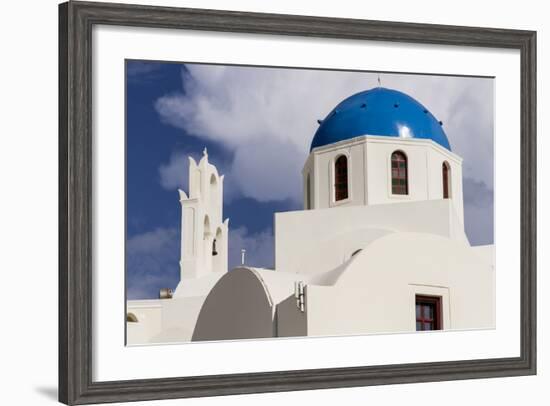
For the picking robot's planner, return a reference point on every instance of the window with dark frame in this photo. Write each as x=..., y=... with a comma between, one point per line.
x=399, y=175
x=446, y=171
x=341, y=178
x=428, y=313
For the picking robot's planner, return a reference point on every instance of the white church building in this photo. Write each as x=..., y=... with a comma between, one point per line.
x=380, y=246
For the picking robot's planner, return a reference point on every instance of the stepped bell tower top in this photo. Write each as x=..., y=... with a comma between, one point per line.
x=381, y=146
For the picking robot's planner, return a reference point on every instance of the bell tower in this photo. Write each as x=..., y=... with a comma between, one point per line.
x=203, y=231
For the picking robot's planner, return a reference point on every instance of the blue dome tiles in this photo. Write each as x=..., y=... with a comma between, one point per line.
x=381, y=112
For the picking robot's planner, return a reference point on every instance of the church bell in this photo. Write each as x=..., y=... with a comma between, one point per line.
x=214, y=252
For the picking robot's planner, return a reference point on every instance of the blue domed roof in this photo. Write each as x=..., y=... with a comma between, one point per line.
x=379, y=111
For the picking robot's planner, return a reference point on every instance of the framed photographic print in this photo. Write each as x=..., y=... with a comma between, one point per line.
x=257, y=202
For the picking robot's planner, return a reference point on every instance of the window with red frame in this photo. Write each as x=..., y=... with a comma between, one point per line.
x=399, y=176
x=428, y=313
x=341, y=178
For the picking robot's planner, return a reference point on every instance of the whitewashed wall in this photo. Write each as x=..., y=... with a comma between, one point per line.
x=314, y=241
x=369, y=172
x=377, y=292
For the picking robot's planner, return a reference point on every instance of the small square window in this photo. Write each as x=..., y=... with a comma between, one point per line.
x=428, y=313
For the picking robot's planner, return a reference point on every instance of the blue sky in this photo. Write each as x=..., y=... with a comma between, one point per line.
x=175, y=110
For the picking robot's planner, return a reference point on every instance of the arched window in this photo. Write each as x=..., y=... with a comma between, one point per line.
x=213, y=190
x=341, y=178
x=206, y=231
x=399, y=175
x=446, y=171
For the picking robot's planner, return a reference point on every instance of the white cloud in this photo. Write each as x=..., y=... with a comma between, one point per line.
x=136, y=68
x=175, y=174
x=152, y=258
x=152, y=262
x=259, y=248
x=142, y=71
x=151, y=242
x=267, y=117
x=268, y=176
x=478, y=212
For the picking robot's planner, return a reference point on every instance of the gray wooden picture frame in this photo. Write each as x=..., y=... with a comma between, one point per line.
x=76, y=20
